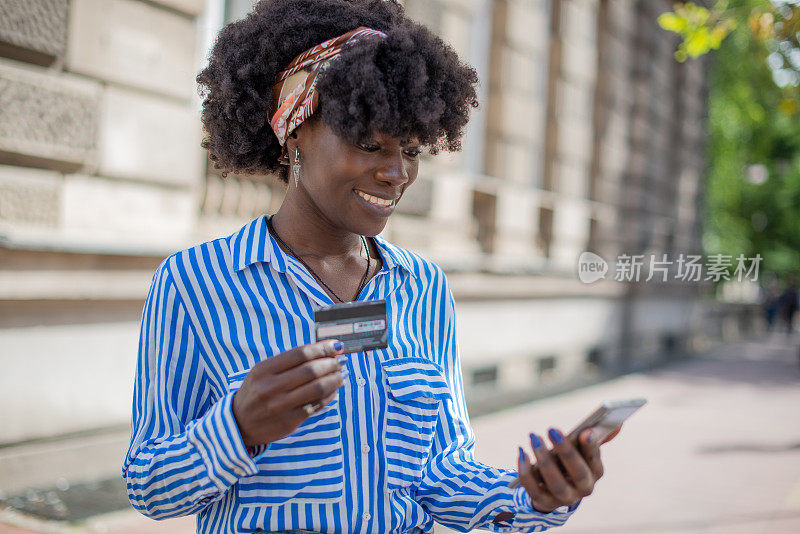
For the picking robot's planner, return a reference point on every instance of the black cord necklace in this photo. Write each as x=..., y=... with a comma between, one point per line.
x=363, y=278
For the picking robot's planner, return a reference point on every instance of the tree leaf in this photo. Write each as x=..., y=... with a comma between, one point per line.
x=672, y=22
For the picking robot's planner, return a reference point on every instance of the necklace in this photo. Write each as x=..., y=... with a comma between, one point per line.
x=363, y=278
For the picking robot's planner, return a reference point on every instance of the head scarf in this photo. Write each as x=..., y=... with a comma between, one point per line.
x=294, y=94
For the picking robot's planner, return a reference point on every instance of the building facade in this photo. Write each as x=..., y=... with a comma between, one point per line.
x=590, y=137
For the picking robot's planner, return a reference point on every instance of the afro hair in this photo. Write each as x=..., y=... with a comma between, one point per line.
x=411, y=84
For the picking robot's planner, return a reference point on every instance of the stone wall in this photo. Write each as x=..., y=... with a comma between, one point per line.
x=589, y=137
x=110, y=111
x=100, y=176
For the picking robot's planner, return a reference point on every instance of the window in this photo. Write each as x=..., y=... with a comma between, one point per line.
x=484, y=375
x=547, y=366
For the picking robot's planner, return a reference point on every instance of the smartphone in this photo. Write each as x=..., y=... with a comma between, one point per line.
x=608, y=416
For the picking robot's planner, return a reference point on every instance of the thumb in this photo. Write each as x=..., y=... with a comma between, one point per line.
x=612, y=435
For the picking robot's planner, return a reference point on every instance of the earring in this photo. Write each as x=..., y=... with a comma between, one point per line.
x=296, y=167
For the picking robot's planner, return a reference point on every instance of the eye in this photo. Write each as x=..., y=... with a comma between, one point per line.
x=413, y=152
x=367, y=147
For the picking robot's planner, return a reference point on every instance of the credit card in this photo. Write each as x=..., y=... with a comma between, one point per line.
x=359, y=325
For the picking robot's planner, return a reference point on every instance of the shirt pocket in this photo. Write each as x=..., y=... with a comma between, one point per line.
x=415, y=389
x=307, y=466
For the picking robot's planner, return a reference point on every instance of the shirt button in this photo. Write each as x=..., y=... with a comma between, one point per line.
x=365, y=449
x=366, y=516
x=361, y=382
x=239, y=471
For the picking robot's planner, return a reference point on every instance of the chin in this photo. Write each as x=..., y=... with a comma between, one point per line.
x=371, y=229
x=364, y=219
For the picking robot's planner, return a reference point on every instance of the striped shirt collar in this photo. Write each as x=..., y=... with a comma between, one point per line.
x=253, y=244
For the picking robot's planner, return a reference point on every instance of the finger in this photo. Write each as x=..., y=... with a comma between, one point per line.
x=304, y=353
x=612, y=435
x=317, y=406
x=591, y=453
x=327, y=400
x=307, y=372
x=573, y=462
x=525, y=469
x=537, y=476
x=313, y=391
x=531, y=480
x=552, y=475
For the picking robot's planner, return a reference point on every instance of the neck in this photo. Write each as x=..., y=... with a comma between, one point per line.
x=310, y=233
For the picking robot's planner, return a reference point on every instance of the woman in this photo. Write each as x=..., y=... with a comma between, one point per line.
x=237, y=416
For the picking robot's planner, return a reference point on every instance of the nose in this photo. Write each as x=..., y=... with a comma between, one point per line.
x=393, y=169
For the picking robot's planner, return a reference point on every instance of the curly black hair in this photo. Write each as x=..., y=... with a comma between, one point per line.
x=411, y=84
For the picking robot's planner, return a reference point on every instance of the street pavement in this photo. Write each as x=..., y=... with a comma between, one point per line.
x=716, y=450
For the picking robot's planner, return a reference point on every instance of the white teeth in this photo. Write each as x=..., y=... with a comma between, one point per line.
x=374, y=200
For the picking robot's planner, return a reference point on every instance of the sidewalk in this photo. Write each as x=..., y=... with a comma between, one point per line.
x=716, y=450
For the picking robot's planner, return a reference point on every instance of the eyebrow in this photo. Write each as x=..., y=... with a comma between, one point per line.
x=403, y=142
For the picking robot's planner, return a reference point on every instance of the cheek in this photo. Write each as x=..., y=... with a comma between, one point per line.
x=412, y=170
x=325, y=169
x=334, y=178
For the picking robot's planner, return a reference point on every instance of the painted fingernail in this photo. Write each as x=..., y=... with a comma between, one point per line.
x=338, y=345
x=522, y=455
x=590, y=437
x=345, y=372
x=342, y=359
x=536, y=443
x=555, y=436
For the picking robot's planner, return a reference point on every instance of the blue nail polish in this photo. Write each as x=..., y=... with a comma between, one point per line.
x=338, y=345
x=342, y=359
x=555, y=436
x=536, y=443
x=345, y=372
x=521, y=454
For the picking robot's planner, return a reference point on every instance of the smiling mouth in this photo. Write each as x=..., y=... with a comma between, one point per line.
x=375, y=201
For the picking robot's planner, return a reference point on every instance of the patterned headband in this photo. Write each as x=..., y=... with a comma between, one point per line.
x=294, y=94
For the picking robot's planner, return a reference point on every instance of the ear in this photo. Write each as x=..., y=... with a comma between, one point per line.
x=292, y=142
x=302, y=136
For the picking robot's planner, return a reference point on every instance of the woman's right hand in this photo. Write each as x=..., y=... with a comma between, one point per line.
x=269, y=405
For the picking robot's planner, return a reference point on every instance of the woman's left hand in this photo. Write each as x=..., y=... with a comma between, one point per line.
x=550, y=488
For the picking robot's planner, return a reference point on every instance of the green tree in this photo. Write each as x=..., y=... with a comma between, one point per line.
x=753, y=183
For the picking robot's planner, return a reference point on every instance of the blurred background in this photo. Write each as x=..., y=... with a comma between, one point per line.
x=638, y=128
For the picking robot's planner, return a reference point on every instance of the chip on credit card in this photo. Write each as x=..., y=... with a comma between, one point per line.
x=359, y=325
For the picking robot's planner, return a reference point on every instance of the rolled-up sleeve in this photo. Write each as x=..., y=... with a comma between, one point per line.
x=458, y=491
x=185, y=450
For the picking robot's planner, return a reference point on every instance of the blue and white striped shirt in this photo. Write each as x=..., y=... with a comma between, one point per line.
x=392, y=453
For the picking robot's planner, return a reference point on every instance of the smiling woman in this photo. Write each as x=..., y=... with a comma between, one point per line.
x=239, y=416
x=408, y=84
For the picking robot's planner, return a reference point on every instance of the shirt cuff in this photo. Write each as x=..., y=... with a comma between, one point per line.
x=523, y=502
x=217, y=439
x=526, y=515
